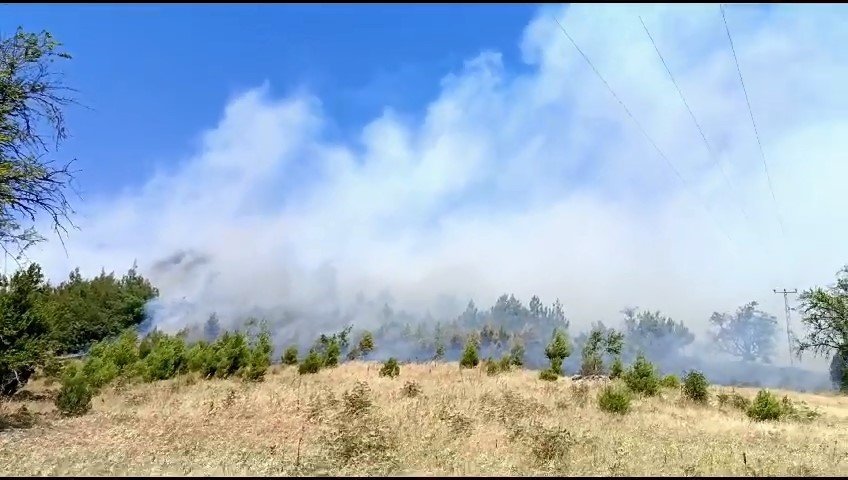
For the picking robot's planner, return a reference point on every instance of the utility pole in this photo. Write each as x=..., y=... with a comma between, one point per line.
x=786, y=304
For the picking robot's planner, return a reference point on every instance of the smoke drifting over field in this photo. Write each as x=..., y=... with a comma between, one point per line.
x=530, y=183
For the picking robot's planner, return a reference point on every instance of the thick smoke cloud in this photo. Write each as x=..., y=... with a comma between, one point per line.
x=530, y=183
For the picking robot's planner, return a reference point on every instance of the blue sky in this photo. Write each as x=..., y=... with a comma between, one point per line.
x=157, y=75
x=504, y=165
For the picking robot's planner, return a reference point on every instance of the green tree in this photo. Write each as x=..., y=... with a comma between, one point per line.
x=32, y=125
x=654, y=333
x=23, y=329
x=470, y=356
x=558, y=350
x=825, y=319
x=84, y=311
x=749, y=333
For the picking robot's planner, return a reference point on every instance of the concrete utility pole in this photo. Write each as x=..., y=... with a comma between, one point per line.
x=786, y=304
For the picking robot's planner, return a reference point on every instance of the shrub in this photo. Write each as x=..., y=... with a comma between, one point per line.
x=641, y=377
x=122, y=352
x=592, y=364
x=366, y=343
x=98, y=372
x=798, y=412
x=165, y=359
x=354, y=353
x=734, y=400
x=614, y=399
x=232, y=354
x=765, y=407
x=357, y=401
x=617, y=368
x=470, y=357
x=558, y=350
x=695, y=386
x=259, y=359
x=201, y=358
x=330, y=347
x=411, y=389
x=440, y=351
x=390, y=369
x=670, y=381
x=52, y=368
x=548, y=375
x=290, y=356
x=74, y=398
x=311, y=363
x=580, y=393
x=551, y=444
x=516, y=354
x=505, y=363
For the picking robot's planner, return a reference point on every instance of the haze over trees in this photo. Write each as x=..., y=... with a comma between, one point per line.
x=748, y=333
x=39, y=320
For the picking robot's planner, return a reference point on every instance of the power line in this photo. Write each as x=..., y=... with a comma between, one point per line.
x=785, y=292
x=709, y=148
x=641, y=129
x=753, y=122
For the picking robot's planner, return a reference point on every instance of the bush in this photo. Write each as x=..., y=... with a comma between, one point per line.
x=734, y=400
x=516, y=354
x=614, y=399
x=390, y=369
x=98, y=372
x=642, y=377
x=470, y=357
x=617, y=368
x=558, y=350
x=52, y=368
x=366, y=343
x=259, y=359
x=290, y=356
x=695, y=386
x=231, y=353
x=74, y=398
x=165, y=359
x=311, y=363
x=201, y=358
x=670, y=381
x=505, y=364
x=798, y=412
x=592, y=364
x=411, y=389
x=440, y=351
x=548, y=375
x=354, y=353
x=765, y=407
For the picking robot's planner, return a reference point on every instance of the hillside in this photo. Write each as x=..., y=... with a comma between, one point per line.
x=460, y=423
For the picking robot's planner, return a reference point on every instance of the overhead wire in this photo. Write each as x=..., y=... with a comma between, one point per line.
x=643, y=131
x=753, y=122
x=710, y=150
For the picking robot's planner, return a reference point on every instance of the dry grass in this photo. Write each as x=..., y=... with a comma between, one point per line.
x=458, y=423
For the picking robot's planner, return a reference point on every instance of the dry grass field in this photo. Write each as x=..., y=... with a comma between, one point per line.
x=432, y=420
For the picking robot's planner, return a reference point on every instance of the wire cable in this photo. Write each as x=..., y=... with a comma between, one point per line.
x=709, y=148
x=642, y=129
x=753, y=122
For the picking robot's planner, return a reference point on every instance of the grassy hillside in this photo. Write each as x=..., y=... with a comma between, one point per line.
x=431, y=420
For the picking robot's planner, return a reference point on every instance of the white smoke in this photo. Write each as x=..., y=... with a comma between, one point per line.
x=533, y=183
